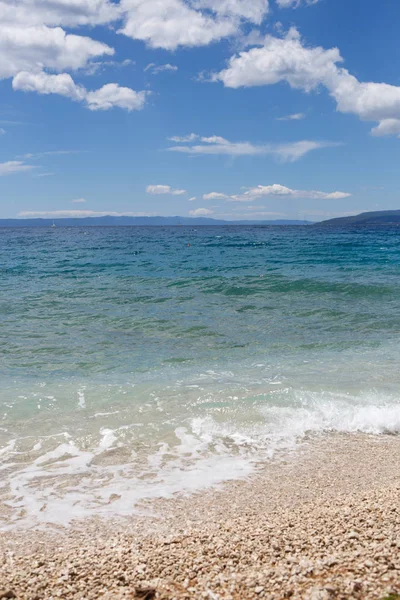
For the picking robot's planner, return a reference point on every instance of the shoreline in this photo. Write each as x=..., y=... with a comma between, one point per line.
x=322, y=524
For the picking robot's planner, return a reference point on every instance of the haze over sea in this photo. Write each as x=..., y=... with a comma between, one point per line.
x=141, y=362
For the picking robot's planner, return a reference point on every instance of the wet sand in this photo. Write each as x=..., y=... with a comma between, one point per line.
x=321, y=524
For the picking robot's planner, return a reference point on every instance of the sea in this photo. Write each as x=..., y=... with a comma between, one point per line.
x=140, y=363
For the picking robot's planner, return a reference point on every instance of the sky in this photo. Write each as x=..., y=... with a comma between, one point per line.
x=233, y=109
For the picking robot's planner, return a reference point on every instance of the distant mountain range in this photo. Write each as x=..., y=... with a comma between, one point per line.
x=382, y=217
x=109, y=221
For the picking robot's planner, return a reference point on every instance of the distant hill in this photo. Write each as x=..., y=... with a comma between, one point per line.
x=136, y=221
x=382, y=217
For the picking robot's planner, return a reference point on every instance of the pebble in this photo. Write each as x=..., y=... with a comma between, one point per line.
x=287, y=533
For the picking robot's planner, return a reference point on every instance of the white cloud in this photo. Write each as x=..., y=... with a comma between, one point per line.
x=75, y=214
x=295, y=150
x=215, y=196
x=2, y=131
x=294, y=117
x=387, y=127
x=214, y=139
x=38, y=54
x=109, y=96
x=43, y=83
x=156, y=69
x=289, y=60
x=172, y=23
x=281, y=59
x=99, y=66
x=169, y=24
x=184, y=139
x=193, y=199
x=35, y=48
x=69, y=13
x=253, y=11
x=216, y=145
x=78, y=201
x=14, y=166
x=164, y=24
x=281, y=191
x=201, y=212
x=294, y=3
x=228, y=148
x=164, y=189
x=37, y=155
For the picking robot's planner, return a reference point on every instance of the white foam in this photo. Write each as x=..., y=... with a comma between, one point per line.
x=8, y=448
x=200, y=451
x=81, y=397
x=108, y=439
x=104, y=414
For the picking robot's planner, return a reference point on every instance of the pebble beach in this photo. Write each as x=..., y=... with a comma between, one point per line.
x=321, y=524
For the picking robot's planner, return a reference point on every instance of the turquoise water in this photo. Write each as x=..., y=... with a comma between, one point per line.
x=141, y=362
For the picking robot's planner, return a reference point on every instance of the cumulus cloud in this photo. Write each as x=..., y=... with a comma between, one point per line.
x=112, y=94
x=69, y=13
x=173, y=23
x=156, y=69
x=167, y=24
x=281, y=59
x=157, y=190
x=35, y=48
x=215, y=145
x=387, y=127
x=109, y=96
x=14, y=166
x=39, y=55
x=43, y=83
x=201, y=212
x=276, y=190
x=193, y=199
x=294, y=117
x=215, y=196
x=289, y=60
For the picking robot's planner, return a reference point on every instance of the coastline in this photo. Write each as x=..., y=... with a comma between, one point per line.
x=322, y=524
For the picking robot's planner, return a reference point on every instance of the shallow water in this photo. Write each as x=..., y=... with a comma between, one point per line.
x=135, y=366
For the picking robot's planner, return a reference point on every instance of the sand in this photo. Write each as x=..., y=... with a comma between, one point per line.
x=321, y=524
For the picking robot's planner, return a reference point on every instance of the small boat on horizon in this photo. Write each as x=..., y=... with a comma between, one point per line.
x=54, y=225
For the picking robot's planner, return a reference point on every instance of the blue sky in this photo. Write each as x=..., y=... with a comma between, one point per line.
x=225, y=108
